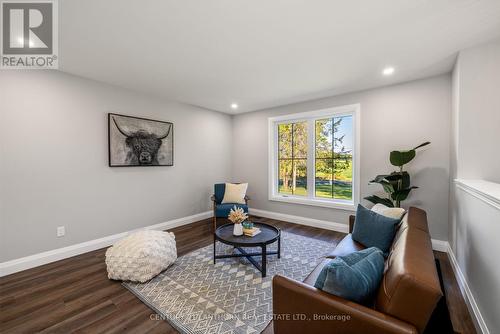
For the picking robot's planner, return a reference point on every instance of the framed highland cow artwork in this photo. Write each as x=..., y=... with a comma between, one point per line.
x=135, y=141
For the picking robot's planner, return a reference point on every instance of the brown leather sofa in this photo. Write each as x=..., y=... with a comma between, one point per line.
x=406, y=298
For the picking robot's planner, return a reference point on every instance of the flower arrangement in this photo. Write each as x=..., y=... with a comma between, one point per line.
x=237, y=215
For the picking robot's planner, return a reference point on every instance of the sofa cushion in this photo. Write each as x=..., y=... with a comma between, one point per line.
x=346, y=246
x=222, y=210
x=235, y=193
x=354, y=277
x=374, y=230
x=396, y=213
x=313, y=276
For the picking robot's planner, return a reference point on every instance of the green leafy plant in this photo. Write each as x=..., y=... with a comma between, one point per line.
x=397, y=184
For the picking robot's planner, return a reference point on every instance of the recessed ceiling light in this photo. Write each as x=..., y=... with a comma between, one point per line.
x=388, y=70
x=234, y=106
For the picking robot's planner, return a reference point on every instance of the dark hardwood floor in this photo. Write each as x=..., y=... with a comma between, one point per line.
x=75, y=296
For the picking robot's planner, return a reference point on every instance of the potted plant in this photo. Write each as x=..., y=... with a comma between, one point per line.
x=397, y=184
x=237, y=216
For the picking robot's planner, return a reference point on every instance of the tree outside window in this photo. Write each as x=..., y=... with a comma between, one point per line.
x=292, y=158
x=333, y=157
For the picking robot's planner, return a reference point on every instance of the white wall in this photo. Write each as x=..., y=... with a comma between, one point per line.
x=394, y=117
x=479, y=113
x=476, y=227
x=474, y=223
x=54, y=162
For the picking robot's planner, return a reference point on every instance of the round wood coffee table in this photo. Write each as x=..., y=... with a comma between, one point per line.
x=268, y=235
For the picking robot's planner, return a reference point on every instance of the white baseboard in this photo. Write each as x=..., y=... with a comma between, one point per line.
x=344, y=228
x=13, y=266
x=440, y=245
x=467, y=294
x=35, y=260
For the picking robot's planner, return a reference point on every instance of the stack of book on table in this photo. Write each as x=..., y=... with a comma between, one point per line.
x=251, y=232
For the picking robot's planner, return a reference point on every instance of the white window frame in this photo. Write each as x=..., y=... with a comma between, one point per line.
x=311, y=116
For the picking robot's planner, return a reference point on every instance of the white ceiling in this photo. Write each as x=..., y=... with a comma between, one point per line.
x=263, y=53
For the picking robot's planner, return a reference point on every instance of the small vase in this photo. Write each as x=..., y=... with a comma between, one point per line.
x=238, y=229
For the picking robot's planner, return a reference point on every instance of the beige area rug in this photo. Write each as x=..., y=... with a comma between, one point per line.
x=196, y=296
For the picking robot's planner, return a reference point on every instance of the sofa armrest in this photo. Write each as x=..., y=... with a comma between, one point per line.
x=301, y=308
x=351, y=223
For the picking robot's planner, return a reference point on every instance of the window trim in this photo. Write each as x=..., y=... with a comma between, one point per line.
x=273, y=195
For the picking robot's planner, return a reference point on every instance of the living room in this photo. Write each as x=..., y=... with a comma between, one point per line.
x=231, y=167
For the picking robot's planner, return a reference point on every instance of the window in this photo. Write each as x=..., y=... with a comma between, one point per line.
x=313, y=157
x=292, y=158
x=333, y=162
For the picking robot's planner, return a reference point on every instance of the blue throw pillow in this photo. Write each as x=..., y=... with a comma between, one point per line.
x=374, y=230
x=354, y=277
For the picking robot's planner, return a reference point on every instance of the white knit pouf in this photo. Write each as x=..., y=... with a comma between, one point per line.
x=141, y=256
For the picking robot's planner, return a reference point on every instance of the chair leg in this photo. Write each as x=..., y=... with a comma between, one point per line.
x=215, y=222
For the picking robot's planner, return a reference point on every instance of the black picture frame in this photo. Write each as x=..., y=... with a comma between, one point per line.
x=138, y=138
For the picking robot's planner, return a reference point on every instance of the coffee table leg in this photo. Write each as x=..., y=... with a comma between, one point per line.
x=279, y=247
x=264, y=260
x=214, y=248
